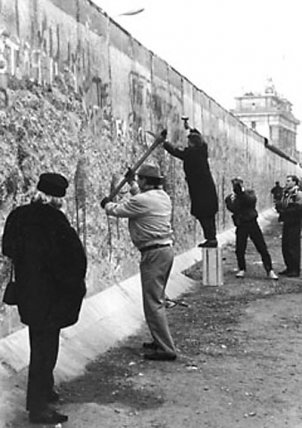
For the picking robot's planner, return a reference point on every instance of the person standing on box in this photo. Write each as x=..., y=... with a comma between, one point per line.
x=242, y=203
x=202, y=190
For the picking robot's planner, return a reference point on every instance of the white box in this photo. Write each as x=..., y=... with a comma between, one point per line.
x=212, y=271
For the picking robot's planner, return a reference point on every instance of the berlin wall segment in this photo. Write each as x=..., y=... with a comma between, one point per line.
x=79, y=95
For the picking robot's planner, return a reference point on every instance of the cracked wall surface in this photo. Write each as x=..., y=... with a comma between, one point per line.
x=78, y=95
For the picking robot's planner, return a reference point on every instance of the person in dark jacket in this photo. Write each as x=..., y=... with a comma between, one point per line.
x=50, y=267
x=277, y=192
x=290, y=210
x=242, y=203
x=202, y=190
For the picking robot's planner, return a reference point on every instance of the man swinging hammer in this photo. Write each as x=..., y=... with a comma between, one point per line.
x=202, y=190
x=149, y=213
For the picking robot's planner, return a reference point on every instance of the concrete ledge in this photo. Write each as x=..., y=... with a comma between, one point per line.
x=106, y=318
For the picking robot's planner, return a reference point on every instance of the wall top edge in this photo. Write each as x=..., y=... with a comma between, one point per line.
x=153, y=54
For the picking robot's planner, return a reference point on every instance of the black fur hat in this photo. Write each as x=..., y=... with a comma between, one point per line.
x=195, y=137
x=52, y=184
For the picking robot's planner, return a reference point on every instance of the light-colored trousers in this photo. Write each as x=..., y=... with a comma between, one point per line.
x=155, y=267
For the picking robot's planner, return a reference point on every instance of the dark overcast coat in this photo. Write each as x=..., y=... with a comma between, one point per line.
x=202, y=190
x=50, y=265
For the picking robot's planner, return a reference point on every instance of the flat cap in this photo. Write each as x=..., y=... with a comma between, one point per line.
x=149, y=170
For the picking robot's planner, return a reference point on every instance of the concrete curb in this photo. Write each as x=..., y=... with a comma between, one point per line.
x=106, y=318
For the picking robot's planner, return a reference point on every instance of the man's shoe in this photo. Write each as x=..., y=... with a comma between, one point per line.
x=292, y=274
x=47, y=417
x=150, y=345
x=160, y=356
x=240, y=274
x=271, y=275
x=169, y=304
x=209, y=243
x=283, y=272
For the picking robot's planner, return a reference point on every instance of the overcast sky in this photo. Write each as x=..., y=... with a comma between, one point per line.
x=225, y=47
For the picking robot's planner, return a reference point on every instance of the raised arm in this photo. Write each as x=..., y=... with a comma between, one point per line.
x=174, y=151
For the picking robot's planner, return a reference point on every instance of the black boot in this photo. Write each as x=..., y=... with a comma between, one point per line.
x=47, y=416
x=209, y=243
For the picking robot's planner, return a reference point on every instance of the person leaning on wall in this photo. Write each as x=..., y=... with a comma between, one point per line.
x=202, y=190
x=290, y=214
x=50, y=267
x=149, y=213
x=242, y=203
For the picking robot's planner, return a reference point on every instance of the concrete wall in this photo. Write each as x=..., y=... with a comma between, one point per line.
x=79, y=94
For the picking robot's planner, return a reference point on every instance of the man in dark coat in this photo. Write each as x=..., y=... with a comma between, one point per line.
x=202, y=190
x=50, y=267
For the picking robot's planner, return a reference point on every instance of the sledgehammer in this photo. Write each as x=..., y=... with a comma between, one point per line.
x=185, y=121
x=158, y=140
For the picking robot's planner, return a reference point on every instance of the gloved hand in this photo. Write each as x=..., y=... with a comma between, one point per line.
x=162, y=136
x=237, y=188
x=105, y=201
x=164, y=133
x=130, y=175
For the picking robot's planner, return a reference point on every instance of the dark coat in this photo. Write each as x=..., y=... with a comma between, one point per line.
x=202, y=190
x=277, y=192
x=50, y=265
x=290, y=207
x=243, y=206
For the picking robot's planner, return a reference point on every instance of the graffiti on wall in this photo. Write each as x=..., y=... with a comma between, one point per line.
x=153, y=104
x=41, y=64
x=40, y=59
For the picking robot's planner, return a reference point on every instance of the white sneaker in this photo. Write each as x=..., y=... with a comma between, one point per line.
x=240, y=274
x=271, y=275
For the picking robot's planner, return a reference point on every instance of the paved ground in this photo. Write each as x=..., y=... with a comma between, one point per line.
x=239, y=365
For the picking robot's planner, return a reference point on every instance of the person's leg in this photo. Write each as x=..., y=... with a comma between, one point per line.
x=44, y=346
x=43, y=356
x=208, y=226
x=241, y=243
x=285, y=246
x=257, y=238
x=36, y=386
x=53, y=349
x=155, y=269
x=293, y=248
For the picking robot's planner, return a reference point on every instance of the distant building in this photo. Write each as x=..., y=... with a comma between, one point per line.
x=271, y=116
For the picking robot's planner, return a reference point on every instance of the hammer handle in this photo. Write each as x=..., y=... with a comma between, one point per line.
x=135, y=167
